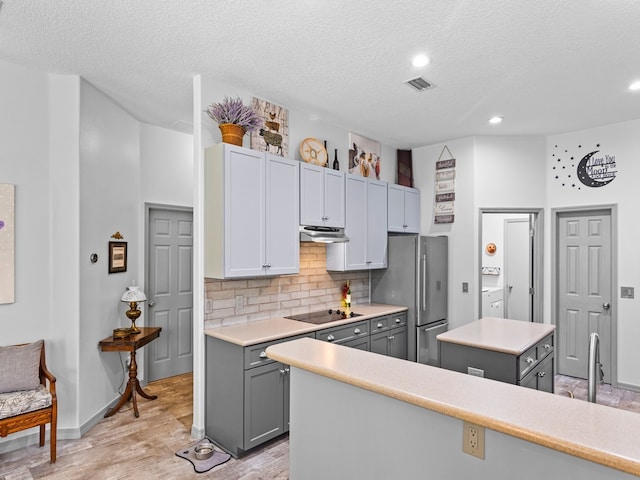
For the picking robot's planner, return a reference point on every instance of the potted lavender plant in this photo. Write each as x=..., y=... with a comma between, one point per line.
x=234, y=119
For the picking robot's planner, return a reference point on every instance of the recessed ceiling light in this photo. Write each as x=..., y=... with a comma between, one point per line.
x=634, y=86
x=495, y=120
x=420, y=61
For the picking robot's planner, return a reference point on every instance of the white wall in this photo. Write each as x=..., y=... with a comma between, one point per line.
x=493, y=232
x=75, y=158
x=110, y=201
x=622, y=141
x=166, y=166
x=462, y=246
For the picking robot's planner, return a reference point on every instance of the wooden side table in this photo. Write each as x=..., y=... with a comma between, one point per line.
x=131, y=344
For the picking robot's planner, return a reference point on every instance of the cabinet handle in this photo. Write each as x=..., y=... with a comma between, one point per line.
x=282, y=371
x=356, y=331
x=391, y=337
x=263, y=354
x=379, y=325
x=330, y=338
x=547, y=346
x=530, y=360
x=541, y=374
x=398, y=320
x=286, y=370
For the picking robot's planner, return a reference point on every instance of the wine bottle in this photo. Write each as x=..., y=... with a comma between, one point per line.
x=336, y=163
x=326, y=164
x=348, y=299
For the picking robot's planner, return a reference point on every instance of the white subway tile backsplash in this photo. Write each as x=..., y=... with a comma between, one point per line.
x=312, y=289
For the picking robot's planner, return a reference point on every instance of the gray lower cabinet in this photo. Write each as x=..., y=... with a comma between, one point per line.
x=533, y=368
x=389, y=335
x=246, y=395
x=541, y=376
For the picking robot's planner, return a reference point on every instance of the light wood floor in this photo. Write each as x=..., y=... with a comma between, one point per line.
x=123, y=447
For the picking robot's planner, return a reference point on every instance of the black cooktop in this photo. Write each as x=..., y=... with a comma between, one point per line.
x=324, y=316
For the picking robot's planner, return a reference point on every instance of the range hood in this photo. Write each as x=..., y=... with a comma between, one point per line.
x=322, y=234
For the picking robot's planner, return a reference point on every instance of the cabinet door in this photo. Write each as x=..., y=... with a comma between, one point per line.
x=263, y=403
x=244, y=214
x=334, y=198
x=376, y=224
x=282, y=237
x=411, y=210
x=545, y=375
x=380, y=343
x=395, y=203
x=312, y=195
x=356, y=229
x=397, y=343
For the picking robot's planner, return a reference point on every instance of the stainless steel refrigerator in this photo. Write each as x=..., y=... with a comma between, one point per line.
x=416, y=277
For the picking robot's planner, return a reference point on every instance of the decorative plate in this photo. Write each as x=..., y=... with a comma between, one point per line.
x=312, y=151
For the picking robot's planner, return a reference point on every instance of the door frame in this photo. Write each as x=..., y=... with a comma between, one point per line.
x=147, y=215
x=538, y=259
x=613, y=213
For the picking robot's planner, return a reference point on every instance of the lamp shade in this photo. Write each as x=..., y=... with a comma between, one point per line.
x=133, y=294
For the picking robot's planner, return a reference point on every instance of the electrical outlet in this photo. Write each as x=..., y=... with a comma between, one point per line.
x=465, y=287
x=473, y=440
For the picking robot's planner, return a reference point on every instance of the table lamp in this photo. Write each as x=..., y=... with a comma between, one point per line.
x=132, y=296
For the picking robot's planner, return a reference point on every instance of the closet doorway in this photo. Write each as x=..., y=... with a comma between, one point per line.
x=510, y=260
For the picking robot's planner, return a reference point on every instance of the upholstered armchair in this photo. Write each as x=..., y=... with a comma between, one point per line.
x=27, y=392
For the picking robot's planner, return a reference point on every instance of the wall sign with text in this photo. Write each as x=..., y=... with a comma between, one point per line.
x=445, y=195
x=583, y=166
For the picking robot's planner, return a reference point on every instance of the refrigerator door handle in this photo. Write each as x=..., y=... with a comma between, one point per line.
x=424, y=282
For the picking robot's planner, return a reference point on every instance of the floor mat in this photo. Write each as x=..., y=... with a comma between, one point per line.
x=201, y=466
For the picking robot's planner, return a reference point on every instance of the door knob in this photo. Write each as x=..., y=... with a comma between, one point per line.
x=606, y=306
x=151, y=303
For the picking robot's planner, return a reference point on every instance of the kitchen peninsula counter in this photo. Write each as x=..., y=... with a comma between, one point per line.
x=260, y=331
x=422, y=423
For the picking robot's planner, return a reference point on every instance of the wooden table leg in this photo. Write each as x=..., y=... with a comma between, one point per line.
x=133, y=387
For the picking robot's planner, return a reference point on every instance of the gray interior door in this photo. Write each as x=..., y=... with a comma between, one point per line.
x=584, y=290
x=517, y=267
x=170, y=292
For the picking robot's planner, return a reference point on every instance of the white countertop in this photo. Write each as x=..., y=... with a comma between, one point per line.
x=498, y=334
x=594, y=432
x=251, y=333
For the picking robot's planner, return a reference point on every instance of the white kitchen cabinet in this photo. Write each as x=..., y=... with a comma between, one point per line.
x=404, y=209
x=251, y=213
x=366, y=227
x=492, y=303
x=321, y=196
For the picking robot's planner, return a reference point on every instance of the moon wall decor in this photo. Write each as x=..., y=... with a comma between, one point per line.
x=595, y=169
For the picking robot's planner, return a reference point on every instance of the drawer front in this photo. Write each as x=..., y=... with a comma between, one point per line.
x=398, y=320
x=344, y=333
x=379, y=324
x=545, y=346
x=527, y=360
x=256, y=355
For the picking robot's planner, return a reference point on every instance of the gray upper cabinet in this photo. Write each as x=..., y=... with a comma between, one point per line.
x=366, y=227
x=322, y=196
x=251, y=213
x=404, y=209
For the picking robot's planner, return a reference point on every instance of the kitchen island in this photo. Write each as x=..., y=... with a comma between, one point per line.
x=355, y=414
x=511, y=351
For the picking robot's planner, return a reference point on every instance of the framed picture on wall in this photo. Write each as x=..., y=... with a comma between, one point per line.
x=117, y=257
x=364, y=156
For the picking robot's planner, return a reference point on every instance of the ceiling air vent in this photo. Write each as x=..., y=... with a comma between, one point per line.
x=420, y=84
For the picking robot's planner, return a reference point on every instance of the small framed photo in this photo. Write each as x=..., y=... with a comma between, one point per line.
x=117, y=257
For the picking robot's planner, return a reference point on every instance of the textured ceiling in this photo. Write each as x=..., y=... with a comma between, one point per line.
x=547, y=66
